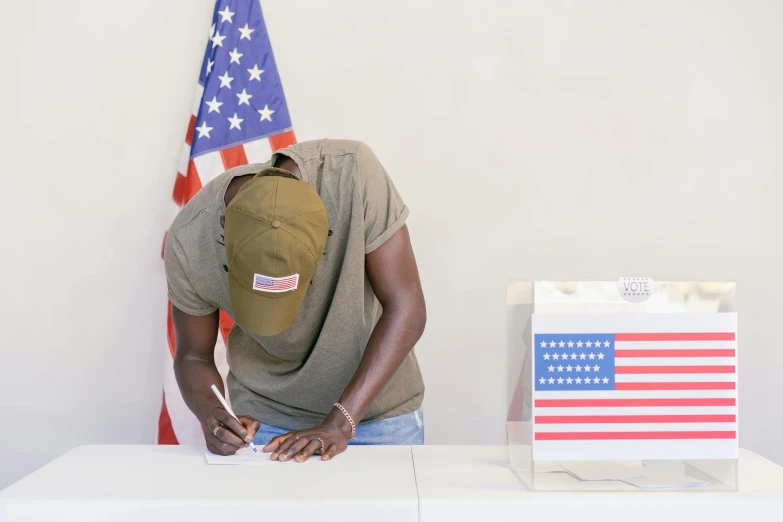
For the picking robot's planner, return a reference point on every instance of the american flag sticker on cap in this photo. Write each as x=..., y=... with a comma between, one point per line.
x=275, y=285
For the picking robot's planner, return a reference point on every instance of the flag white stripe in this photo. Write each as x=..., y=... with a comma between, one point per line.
x=221, y=363
x=197, y=99
x=171, y=212
x=674, y=361
x=209, y=166
x=258, y=151
x=640, y=394
x=676, y=377
x=184, y=158
x=636, y=410
x=630, y=427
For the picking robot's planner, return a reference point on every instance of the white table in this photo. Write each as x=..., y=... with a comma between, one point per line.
x=474, y=483
x=380, y=483
x=173, y=483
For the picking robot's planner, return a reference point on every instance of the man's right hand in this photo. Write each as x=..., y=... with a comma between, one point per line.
x=194, y=366
x=225, y=435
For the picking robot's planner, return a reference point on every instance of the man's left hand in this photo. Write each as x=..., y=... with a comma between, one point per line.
x=300, y=445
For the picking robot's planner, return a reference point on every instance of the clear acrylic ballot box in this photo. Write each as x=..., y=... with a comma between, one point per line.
x=626, y=385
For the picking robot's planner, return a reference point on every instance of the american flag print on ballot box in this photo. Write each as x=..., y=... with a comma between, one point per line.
x=635, y=386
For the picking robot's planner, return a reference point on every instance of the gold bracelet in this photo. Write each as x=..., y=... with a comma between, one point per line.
x=347, y=416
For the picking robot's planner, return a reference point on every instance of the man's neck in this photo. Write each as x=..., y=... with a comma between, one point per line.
x=286, y=163
x=282, y=162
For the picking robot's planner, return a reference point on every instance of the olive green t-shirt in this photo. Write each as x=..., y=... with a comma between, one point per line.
x=291, y=380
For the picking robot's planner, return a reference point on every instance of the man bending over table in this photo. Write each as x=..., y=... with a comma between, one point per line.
x=310, y=255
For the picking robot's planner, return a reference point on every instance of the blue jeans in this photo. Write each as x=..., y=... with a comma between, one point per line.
x=406, y=429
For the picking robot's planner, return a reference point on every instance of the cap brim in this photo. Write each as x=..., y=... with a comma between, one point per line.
x=264, y=315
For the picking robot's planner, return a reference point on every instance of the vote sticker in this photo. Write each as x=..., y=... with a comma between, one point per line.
x=635, y=289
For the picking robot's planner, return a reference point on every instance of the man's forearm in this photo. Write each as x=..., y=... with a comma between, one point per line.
x=194, y=377
x=395, y=335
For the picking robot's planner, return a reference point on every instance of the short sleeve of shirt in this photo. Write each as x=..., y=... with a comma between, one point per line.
x=181, y=291
x=384, y=211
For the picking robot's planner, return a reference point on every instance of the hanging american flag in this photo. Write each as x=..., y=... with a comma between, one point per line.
x=634, y=386
x=239, y=116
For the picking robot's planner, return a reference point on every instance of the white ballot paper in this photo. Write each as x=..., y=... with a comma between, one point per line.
x=631, y=473
x=665, y=481
x=246, y=456
x=587, y=470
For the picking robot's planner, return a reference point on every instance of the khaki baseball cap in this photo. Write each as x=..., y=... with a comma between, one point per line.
x=275, y=234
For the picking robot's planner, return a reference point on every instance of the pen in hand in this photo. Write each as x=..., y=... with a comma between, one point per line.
x=229, y=410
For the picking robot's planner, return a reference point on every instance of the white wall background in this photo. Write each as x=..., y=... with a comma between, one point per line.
x=530, y=139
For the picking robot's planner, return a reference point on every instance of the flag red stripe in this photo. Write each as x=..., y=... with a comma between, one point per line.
x=281, y=141
x=166, y=433
x=192, y=183
x=170, y=332
x=675, y=369
x=225, y=323
x=233, y=156
x=638, y=435
x=625, y=419
x=675, y=386
x=675, y=353
x=682, y=336
x=191, y=127
x=600, y=403
x=179, y=190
